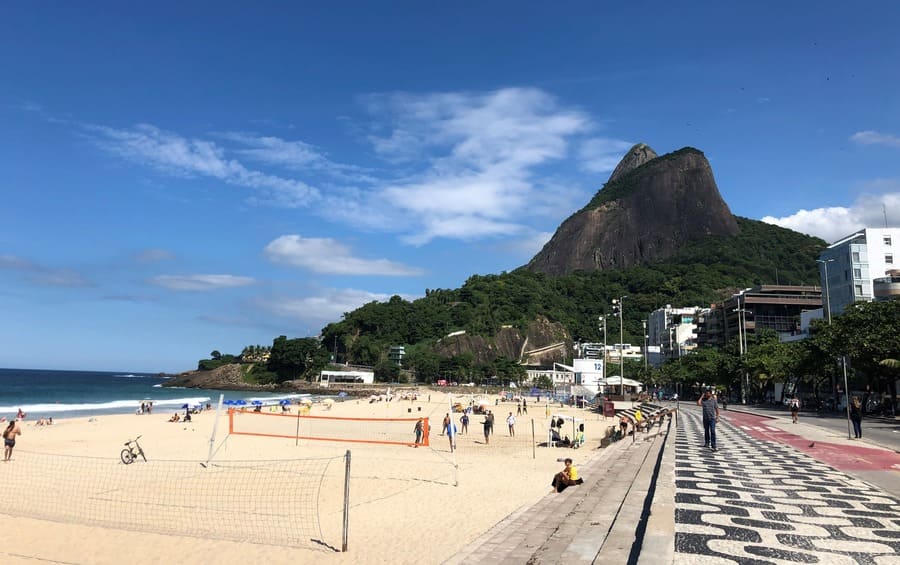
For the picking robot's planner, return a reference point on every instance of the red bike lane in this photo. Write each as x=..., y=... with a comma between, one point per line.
x=840, y=456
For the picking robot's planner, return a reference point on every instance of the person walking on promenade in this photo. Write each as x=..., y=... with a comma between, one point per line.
x=465, y=423
x=511, y=422
x=795, y=408
x=9, y=439
x=710, y=418
x=856, y=417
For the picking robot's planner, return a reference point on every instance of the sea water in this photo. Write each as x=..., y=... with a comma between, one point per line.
x=70, y=394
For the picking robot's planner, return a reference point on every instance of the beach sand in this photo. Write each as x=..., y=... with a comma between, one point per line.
x=407, y=505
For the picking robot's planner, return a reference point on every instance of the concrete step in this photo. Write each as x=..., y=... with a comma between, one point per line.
x=573, y=526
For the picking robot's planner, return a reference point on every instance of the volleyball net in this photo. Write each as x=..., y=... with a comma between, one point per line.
x=389, y=431
x=272, y=502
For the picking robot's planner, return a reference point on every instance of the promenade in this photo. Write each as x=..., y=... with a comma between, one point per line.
x=774, y=492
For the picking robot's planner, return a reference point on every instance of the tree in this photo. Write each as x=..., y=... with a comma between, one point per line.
x=386, y=371
x=296, y=358
x=543, y=382
x=215, y=354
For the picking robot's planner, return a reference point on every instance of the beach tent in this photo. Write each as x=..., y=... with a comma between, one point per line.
x=615, y=380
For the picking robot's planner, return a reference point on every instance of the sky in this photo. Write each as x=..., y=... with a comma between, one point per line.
x=178, y=178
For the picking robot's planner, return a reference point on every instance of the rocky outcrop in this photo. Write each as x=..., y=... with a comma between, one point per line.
x=512, y=343
x=647, y=213
x=638, y=155
x=226, y=377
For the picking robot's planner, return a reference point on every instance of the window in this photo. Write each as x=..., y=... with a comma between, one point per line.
x=858, y=289
x=855, y=257
x=857, y=273
x=887, y=240
x=889, y=259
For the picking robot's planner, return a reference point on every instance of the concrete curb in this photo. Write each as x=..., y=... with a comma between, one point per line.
x=658, y=547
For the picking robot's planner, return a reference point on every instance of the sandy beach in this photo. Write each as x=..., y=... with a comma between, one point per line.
x=407, y=505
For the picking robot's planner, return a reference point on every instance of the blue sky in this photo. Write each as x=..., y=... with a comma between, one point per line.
x=179, y=178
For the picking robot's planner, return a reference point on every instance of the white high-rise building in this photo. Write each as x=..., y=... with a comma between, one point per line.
x=673, y=331
x=853, y=262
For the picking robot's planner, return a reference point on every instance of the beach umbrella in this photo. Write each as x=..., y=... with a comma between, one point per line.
x=342, y=394
x=240, y=402
x=257, y=403
x=228, y=402
x=284, y=401
x=184, y=406
x=306, y=401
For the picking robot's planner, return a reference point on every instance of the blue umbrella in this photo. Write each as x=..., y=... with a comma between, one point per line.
x=342, y=394
x=184, y=406
x=228, y=402
x=257, y=402
x=284, y=401
x=240, y=402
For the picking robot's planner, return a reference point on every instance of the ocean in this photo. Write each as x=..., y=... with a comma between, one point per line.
x=70, y=394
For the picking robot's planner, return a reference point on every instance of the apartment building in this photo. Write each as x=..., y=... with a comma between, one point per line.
x=850, y=266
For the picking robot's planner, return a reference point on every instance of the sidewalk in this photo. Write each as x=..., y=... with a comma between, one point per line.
x=866, y=459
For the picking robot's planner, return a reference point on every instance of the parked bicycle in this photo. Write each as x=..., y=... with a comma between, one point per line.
x=132, y=450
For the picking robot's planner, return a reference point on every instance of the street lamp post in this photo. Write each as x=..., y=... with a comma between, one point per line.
x=843, y=357
x=644, y=323
x=603, y=367
x=742, y=332
x=619, y=308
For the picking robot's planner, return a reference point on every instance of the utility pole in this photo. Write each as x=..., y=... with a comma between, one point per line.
x=744, y=383
x=602, y=320
x=619, y=309
x=644, y=323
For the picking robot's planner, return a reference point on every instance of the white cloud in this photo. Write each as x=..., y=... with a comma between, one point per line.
x=327, y=256
x=875, y=138
x=200, y=282
x=153, y=255
x=174, y=154
x=601, y=154
x=836, y=222
x=479, y=157
x=329, y=306
x=529, y=246
x=46, y=276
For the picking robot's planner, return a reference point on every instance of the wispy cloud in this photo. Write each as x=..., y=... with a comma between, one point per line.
x=294, y=155
x=601, y=154
x=869, y=137
x=327, y=256
x=478, y=155
x=328, y=306
x=153, y=255
x=200, y=282
x=42, y=275
x=178, y=155
x=836, y=222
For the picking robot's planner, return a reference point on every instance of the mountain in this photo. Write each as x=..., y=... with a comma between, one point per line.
x=650, y=208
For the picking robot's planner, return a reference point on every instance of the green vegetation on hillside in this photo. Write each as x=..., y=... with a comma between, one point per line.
x=701, y=274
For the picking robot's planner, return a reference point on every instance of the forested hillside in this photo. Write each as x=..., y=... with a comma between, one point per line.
x=701, y=273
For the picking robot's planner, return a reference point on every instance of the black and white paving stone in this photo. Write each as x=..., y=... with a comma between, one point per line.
x=755, y=502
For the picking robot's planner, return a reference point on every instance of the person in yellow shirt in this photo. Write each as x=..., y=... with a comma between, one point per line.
x=567, y=477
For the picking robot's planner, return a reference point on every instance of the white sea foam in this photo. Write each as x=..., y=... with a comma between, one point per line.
x=38, y=410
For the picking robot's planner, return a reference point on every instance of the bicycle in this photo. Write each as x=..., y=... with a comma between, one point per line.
x=132, y=450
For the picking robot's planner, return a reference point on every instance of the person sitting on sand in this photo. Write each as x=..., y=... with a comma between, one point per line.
x=175, y=417
x=567, y=477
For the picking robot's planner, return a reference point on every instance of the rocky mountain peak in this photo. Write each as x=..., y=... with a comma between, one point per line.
x=648, y=212
x=636, y=156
